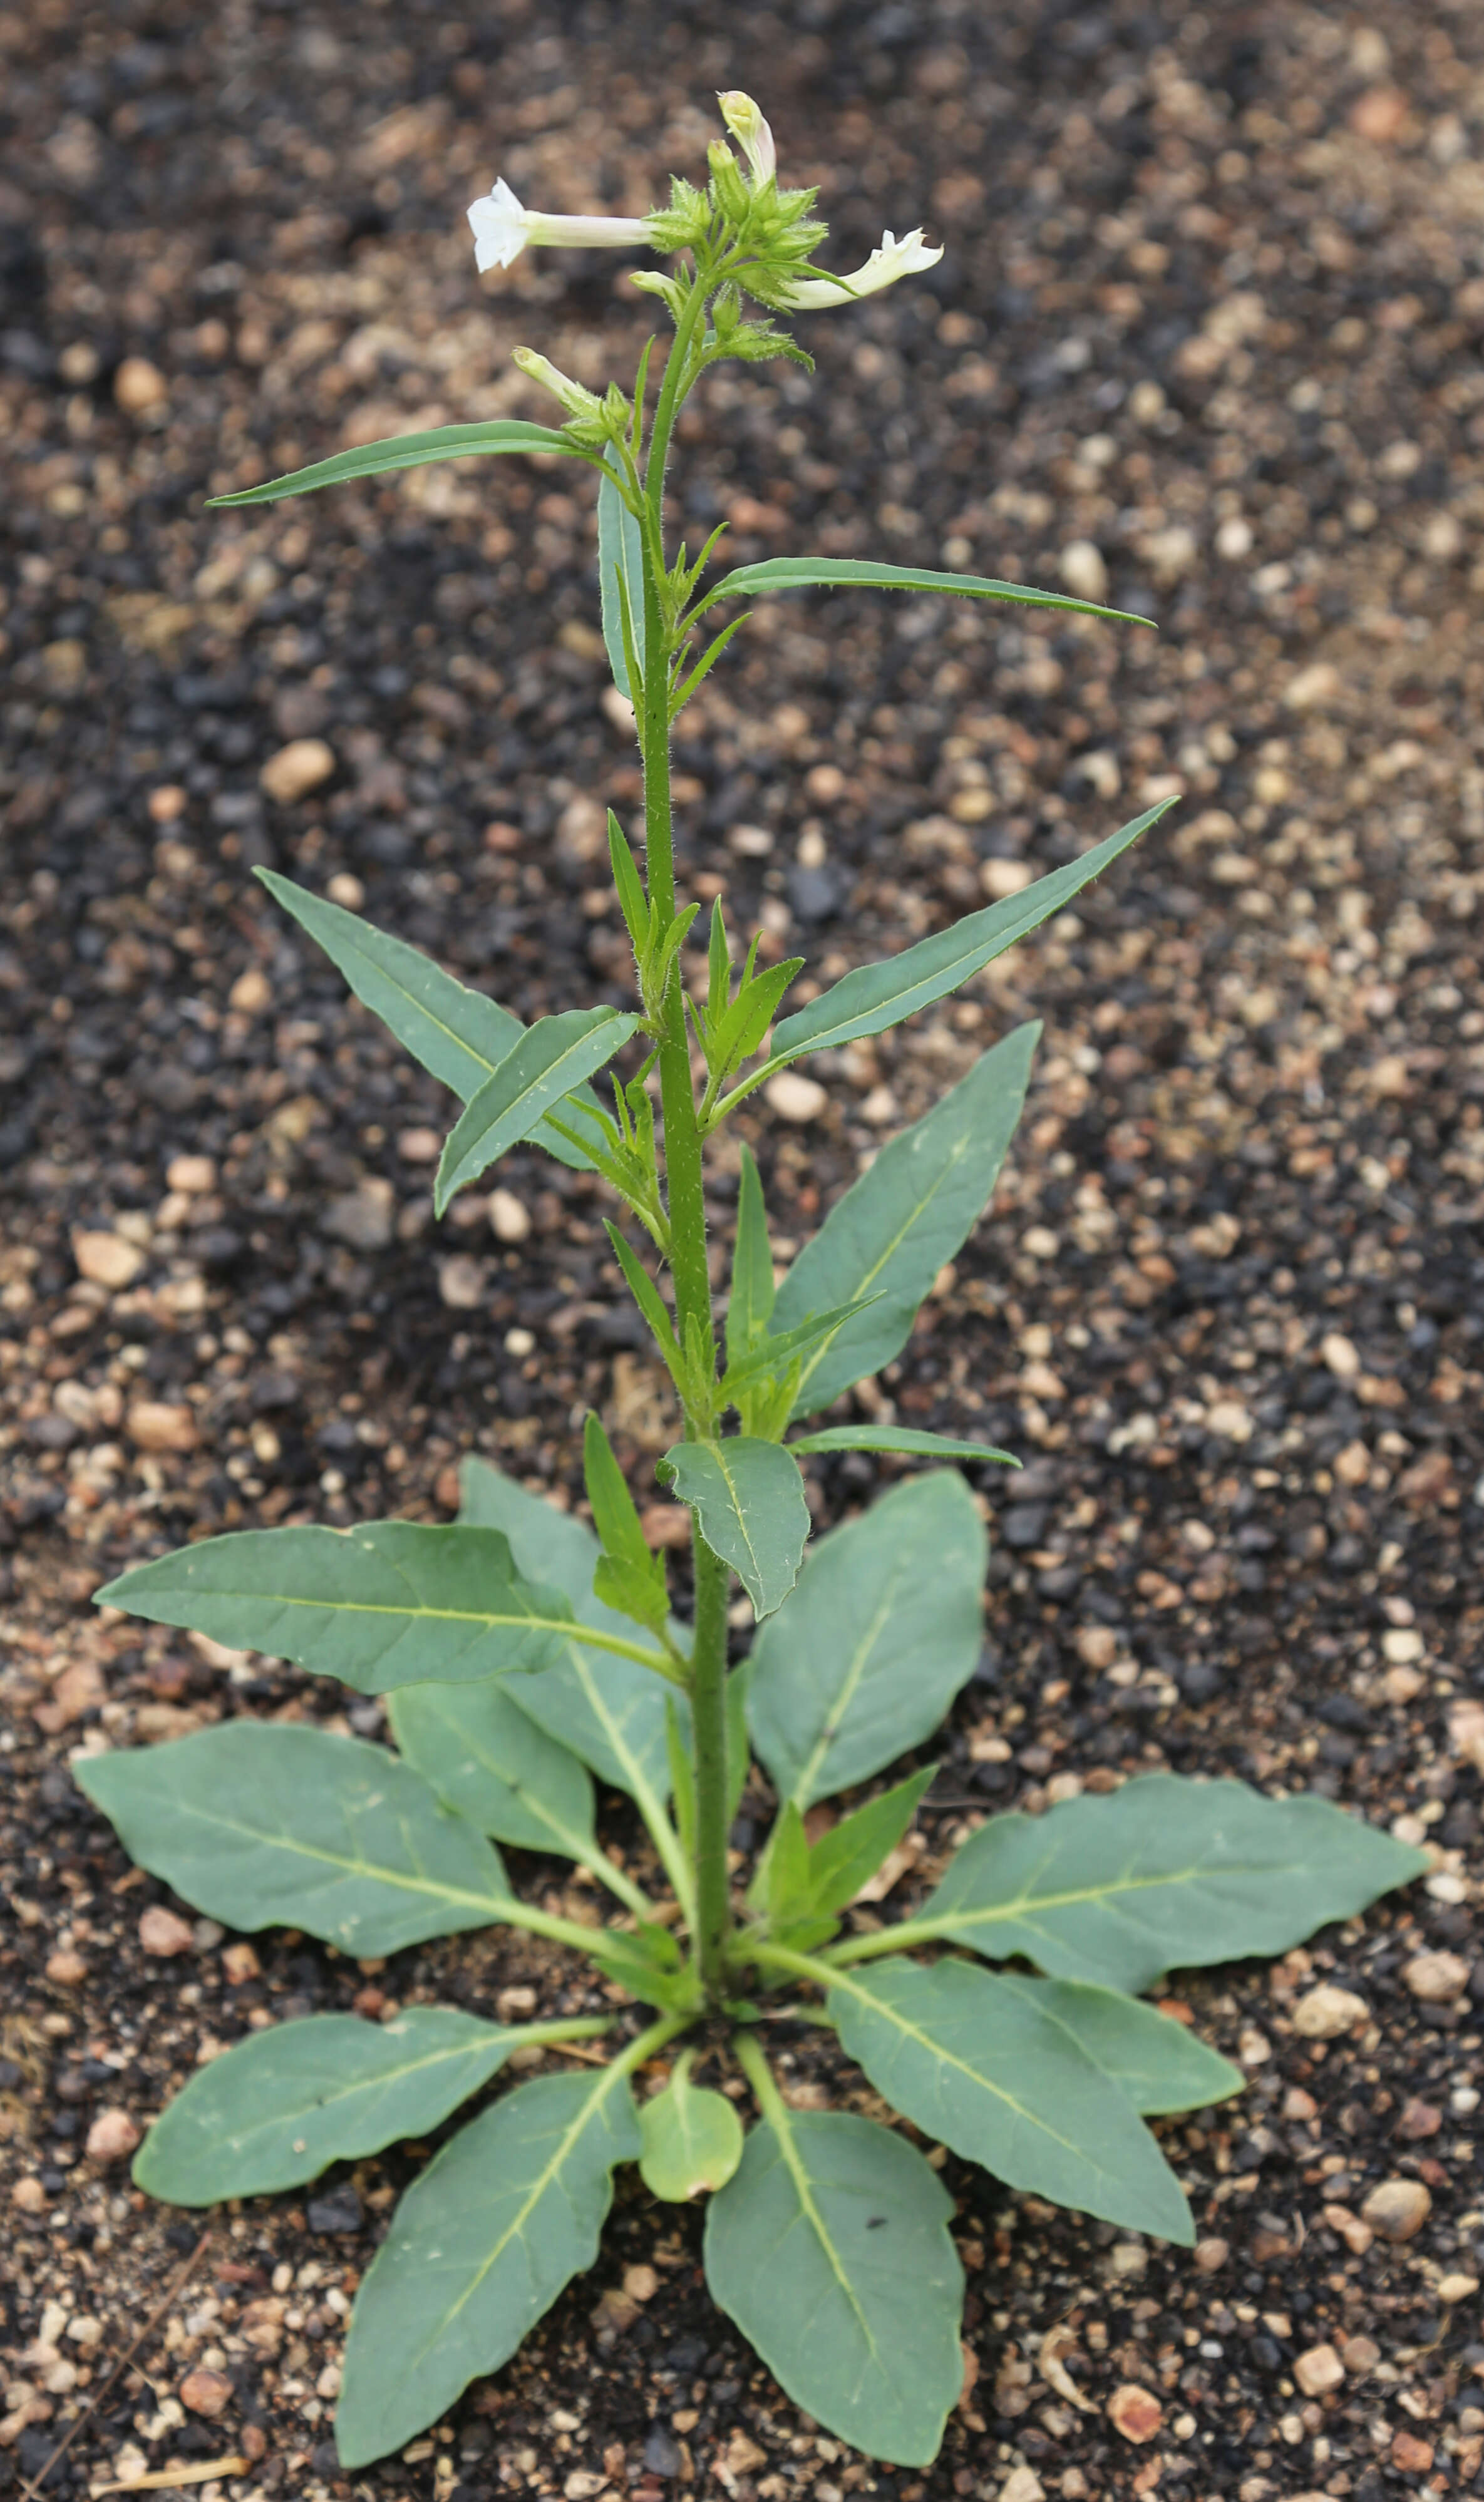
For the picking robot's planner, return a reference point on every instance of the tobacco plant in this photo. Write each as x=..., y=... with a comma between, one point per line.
x=525, y=1656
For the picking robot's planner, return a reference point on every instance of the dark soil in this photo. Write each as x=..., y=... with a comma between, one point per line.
x=1213, y=300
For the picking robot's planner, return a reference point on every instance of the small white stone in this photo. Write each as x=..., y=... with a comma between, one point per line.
x=1401, y=1646
x=1436, y=1977
x=462, y=1282
x=1339, y=1354
x=251, y=993
x=192, y=1175
x=1084, y=571
x=509, y=1217
x=347, y=891
x=1324, y=2014
x=793, y=1097
x=106, y=1259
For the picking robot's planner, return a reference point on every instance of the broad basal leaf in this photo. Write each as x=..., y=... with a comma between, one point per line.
x=748, y=1499
x=281, y=2105
x=875, y=996
x=863, y=573
x=1159, y=1873
x=261, y=1823
x=404, y=452
x=480, y=2246
x=608, y=1710
x=895, y=1227
x=1157, y=2063
x=693, y=2138
x=621, y=581
x=900, y=1437
x=993, y=2075
x=459, y=1035
x=864, y=1659
x=382, y=1604
x=489, y=1762
x=829, y=2248
x=548, y=1062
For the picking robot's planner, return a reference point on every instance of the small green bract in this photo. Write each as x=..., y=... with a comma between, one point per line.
x=525, y=1657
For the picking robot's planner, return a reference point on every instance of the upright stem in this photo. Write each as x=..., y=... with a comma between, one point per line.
x=685, y=1192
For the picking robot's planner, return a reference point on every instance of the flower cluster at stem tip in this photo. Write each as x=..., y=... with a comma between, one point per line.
x=742, y=234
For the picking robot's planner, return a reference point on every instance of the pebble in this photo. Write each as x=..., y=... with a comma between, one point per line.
x=509, y=1217
x=1457, y=2287
x=107, y=1260
x=1135, y=2413
x=793, y=1097
x=297, y=769
x=1324, y=2014
x=159, y=1425
x=251, y=993
x=1435, y=1977
x=364, y=1217
x=1402, y=1646
x=462, y=1282
x=1398, y=2208
x=112, y=2136
x=66, y=1968
x=27, y=2195
x=164, y=1933
x=1317, y=2371
x=138, y=386
x=1313, y=688
x=192, y=1175
x=346, y=890
x=1212, y=2254
x=1022, y=2485
x=420, y=1146
x=206, y=2393
x=1083, y=570
x=1340, y=1355
x=1001, y=877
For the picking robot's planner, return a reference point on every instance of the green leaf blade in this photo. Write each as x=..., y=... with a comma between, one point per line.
x=276, y=2108
x=387, y=1604
x=748, y=1499
x=829, y=2248
x=266, y=1824
x=1157, y=2062
x=913, y=1210
x=750, y=1307
x=458, y=1035
x=861, y=573
x=849, y=1855
x=1160, y=1874
x=402, y=451
x=885, y=1627
x=491, y=1762
x=548, y=1062
x=994, y=2077
x=480, y=2246
x=900, y=1437
x=692, y=2138
x=620, y=582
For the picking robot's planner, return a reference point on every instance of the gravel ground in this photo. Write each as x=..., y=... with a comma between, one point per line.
x=1208, y=327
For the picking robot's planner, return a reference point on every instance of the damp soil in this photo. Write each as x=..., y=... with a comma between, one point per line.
x=1207, y=327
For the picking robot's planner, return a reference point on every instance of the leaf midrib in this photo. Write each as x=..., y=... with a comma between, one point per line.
x=439, y=1888
x=602, y=2087
x=782, y=2128
x=378, y=2083
x=534, y=1806
x=845, y=1692
x=548, y=1070
x=914, y=1217
x=1126, y=1884
x=951, y=2060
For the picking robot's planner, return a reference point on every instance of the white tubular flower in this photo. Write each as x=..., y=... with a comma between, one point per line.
x=890, y=262
x=502, y=229
x=745, y=121
x=575, y=396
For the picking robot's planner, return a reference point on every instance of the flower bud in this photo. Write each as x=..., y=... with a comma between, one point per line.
x=745, y=121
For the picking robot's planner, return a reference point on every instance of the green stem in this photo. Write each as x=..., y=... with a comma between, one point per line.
x=621, y=1887
x=645, y=2045
x=747, y=2053
x=880, y=1941
x=516, y=1914
x=565, y=2028
x=685, y=1182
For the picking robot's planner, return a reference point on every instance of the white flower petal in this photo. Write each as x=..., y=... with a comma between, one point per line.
x=501, y=228
x=890, y=261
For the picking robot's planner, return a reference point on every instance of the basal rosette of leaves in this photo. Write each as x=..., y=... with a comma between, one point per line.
x=527, y=1657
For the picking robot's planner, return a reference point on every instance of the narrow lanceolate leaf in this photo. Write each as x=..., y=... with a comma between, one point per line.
x=751, y=1307
x=860, y=573
x=693, y=2138
x=620, y=579
x=997, y=2078
x=829, y=2248
x=261, y=1823
x=608, y=1710
x=1161, y=1874
x=896, y=1226
x=901, y=1438
x=480, y=2246
x=546, y=1063
x=279, y=2106
x=489, y=1761
x=748, y=1499
x=849, y=1855
x=379, y=1605
x=458, y=1033
x=1159, y=2064
x=404, y=451
x=629, y=1576
x=864, y=1658
x=877, y=996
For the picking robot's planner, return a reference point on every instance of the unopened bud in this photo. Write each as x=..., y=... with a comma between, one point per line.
x=745, y=121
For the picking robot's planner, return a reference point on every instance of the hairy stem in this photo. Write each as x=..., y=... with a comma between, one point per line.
x=683, y=1185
